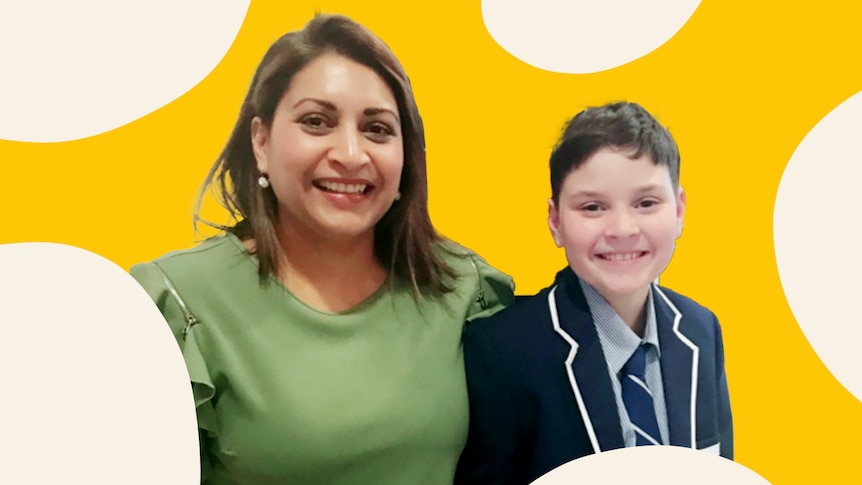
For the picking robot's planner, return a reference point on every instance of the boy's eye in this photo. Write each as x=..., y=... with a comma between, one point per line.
x=591, y=207
x=647, y=203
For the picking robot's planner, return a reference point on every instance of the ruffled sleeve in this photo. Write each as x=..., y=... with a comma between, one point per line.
x=183, y=322
x=494, y=289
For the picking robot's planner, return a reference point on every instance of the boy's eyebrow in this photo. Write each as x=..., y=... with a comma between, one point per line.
x=651, y=188
x=586, y=194
x=641, y=190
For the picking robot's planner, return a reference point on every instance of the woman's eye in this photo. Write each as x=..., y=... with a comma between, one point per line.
x=314, y=122
x=379, y=131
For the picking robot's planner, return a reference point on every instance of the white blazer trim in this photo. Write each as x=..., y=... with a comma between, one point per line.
x=694, y=360
x=555, y=320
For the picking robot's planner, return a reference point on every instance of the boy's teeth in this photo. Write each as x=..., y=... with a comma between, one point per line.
x=622, y=256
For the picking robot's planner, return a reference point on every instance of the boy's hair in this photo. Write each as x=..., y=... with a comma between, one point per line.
x=620, y=125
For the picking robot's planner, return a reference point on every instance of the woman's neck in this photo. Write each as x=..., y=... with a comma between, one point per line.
x=330, y=274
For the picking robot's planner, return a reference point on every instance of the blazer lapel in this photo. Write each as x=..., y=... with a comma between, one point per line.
x=679, y=371
x=585, y=364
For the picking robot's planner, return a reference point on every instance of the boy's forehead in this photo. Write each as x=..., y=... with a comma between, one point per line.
x=615, y=167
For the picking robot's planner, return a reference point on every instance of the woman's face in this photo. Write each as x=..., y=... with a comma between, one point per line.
x=334, y=151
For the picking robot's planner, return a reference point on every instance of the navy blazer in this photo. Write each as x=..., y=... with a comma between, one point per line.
x=540, y=391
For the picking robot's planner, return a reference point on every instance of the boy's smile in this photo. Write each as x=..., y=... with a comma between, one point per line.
x=618, y=219
x=629, y=256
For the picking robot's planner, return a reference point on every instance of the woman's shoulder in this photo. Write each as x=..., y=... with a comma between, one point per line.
x=492, y=289
x=212, y=248
x=464, y=260
x=455, y=254
x=217, y=259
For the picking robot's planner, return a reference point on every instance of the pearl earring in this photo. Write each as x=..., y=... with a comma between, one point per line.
x=263, y=182
x=397, y=196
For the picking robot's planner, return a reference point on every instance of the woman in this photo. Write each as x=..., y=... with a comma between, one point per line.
x=322, y=331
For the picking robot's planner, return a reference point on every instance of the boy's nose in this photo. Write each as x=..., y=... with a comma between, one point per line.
x=622, y=224
x=347, y=148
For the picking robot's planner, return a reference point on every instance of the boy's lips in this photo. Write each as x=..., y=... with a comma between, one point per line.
x=621, y=256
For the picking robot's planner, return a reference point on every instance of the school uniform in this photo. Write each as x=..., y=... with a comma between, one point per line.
x=542, y=393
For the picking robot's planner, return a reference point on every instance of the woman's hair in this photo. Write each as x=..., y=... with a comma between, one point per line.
x=404, y=238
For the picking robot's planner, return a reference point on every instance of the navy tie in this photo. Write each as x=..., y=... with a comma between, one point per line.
x=638, y=399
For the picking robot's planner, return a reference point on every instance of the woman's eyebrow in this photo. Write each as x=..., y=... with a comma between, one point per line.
x=377, y=111
x=331, y=107
x=324, y=104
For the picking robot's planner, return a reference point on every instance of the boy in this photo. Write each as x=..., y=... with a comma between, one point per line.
x=603, y=358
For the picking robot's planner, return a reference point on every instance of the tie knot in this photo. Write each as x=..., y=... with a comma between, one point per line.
x=637, y=362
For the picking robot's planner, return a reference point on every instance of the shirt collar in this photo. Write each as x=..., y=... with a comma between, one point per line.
x=618, y=340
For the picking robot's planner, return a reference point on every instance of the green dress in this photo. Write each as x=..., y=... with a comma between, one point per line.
x=286, y=394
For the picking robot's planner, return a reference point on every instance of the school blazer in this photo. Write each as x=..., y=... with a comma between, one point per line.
x=541, y=396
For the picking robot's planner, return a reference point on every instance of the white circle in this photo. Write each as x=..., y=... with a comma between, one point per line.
x=95, y=389
x=583, y=36
x=816, y=229
x=663, y=465
x=77, y=69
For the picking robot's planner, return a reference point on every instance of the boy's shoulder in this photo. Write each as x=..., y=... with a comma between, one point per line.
x=686, y=318
x=529, y=317
x=683, y=305
x=526, y=318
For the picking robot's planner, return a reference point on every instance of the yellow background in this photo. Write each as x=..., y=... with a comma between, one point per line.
x=739, y=86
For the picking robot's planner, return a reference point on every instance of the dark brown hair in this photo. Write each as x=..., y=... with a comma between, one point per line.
x=622, y=125
x=404, y=238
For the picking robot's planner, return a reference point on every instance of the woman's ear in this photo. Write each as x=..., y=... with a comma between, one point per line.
x=259, y=141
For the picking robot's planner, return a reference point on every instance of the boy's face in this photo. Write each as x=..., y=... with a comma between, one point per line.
x=618, y=219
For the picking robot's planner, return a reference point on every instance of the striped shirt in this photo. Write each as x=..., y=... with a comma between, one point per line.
x=619, y=342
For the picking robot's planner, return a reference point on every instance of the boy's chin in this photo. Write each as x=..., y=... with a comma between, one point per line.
x=615, y=290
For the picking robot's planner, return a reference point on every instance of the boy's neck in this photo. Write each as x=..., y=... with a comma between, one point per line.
x=632, y=309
